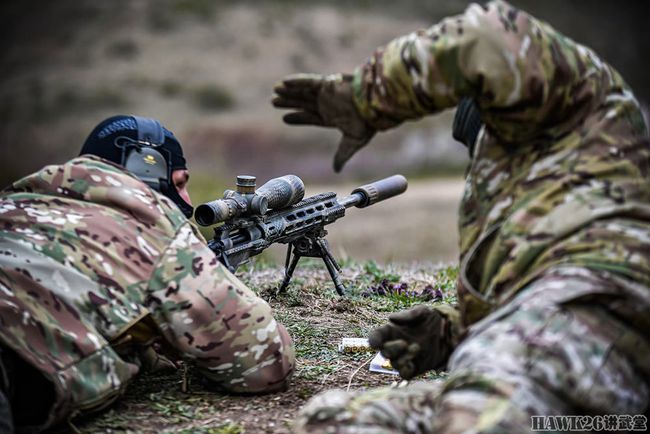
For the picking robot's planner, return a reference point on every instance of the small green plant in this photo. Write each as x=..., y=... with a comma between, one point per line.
x=160, y=17
x=310, y=40
x=226, y=428
x=298, y=62
x=346, y=39
x=211, y=97
x=104, y=97
x=204, y=10
x=378, y=273
x=70, y=100
x=170, y=88
x=125, y=49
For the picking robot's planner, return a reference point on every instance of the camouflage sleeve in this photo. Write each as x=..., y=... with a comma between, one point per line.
x=519, y=69
x=205, y=312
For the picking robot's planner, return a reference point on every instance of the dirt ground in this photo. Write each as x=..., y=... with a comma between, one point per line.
x=317, y=319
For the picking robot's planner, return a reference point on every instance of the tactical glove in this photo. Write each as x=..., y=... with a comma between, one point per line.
x=415, y=341
x=325, y=100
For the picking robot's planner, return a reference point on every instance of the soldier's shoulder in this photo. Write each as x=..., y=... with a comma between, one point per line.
x=105, y=174
x=91, y=181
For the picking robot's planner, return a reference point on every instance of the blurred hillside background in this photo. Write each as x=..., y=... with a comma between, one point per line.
x=206, y=69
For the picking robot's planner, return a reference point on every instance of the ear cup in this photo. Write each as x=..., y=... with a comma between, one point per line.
x=144, y=158
x=147, y=164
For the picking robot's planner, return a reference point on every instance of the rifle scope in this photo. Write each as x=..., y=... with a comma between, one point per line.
x=275, y=194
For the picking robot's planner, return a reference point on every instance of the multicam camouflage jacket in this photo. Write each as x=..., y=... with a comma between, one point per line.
x=560, y=171
x=95, y=265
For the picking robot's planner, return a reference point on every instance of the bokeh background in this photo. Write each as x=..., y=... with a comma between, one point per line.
x=206, y=69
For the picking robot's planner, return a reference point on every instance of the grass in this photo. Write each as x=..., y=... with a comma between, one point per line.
x=317, y=320
x=211, y=97
x=123, y=48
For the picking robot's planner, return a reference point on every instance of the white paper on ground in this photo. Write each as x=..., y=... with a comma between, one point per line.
x=382, y=365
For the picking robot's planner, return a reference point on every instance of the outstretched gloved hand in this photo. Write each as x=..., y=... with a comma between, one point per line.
x=325, y=100
x=415, y=341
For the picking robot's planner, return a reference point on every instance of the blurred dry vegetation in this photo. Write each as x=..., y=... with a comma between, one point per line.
x=206, y=69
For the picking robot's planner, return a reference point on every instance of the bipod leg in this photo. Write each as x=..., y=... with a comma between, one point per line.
x=332, y=266
x=289, y=267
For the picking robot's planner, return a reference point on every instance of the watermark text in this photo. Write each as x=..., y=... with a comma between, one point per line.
x=608, y=422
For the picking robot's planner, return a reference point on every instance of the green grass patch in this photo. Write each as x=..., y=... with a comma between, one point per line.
x=212, y=97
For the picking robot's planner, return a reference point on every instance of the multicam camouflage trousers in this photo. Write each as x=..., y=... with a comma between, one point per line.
x=570, y=343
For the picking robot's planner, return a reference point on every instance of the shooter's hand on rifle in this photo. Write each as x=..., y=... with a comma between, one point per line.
x=326, y=101
x=415, y=341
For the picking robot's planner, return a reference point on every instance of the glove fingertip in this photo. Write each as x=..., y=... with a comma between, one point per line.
x=290, y=120
x=338, y=165
x=302, y=118
x=276, y=101
x=414, y=348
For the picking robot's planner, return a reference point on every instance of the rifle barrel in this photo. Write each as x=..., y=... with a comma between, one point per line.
x=352, y=200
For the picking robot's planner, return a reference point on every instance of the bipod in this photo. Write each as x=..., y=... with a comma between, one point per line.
x=312, y=245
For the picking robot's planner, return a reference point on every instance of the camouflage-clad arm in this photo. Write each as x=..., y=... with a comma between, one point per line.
x=206, y=313
x=528, y=79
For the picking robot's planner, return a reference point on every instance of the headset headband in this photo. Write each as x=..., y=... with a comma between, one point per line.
x=149, y=130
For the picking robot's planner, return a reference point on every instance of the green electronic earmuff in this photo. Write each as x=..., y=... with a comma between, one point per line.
x=144, y=157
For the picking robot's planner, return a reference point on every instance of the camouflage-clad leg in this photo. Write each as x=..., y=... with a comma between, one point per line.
x=557, y=348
